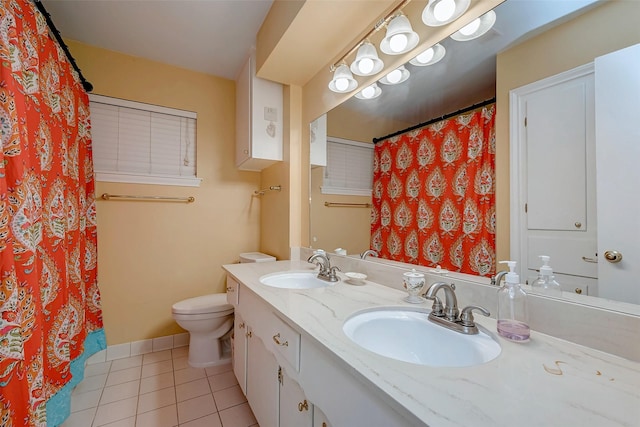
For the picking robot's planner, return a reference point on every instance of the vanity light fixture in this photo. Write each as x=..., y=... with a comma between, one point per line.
x=343, y=80
x=369, y=92
x=400, y=37
x=475, y=28
x=430, y=56
x=442, y=12
x=367, y=62
x=395, y=77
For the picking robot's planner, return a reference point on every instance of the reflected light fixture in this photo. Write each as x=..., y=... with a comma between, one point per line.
x=396, y=76
x=442, y=12
x=367, y=62
x=475, y=28
x=400, y=37
x=369, y=92
x=430, y=56
x=343, y=80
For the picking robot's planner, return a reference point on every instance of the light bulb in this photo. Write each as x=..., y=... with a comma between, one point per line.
x=368, y=92
x=398, y=42
x=470, y=28
x=342, y=84
x=426, y=56
x=395, y=76
x=365, y=65
x=444, y=10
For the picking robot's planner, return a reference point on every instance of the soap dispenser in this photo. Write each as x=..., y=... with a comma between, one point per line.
x=513, y=321
x=546, y=282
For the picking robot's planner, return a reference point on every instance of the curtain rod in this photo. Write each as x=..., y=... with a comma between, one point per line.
x=85, y=84
x=436, y=119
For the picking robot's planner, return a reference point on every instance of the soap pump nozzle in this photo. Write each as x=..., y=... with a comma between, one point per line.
x=511, y=277
x=545, y=269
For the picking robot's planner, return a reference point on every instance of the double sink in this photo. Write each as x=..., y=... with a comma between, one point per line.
x=401, y=333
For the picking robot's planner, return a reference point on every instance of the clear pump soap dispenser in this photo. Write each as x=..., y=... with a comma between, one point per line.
x=546, y=282
x=513, y=321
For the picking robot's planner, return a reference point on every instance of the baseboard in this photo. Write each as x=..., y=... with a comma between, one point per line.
x=135, y=348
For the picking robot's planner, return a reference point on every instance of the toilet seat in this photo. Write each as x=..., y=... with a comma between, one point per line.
x=213, y=303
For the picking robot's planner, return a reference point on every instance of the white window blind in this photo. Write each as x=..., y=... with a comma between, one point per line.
x=349, y=168
x=142, y=143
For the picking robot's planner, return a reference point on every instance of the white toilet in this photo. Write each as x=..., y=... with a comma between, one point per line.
x=208, y=319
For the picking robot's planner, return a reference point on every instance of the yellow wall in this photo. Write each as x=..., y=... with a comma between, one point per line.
x=152, y=254
x=601, y=30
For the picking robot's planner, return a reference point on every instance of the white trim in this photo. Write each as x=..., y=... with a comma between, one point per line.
x=142, y=106
x=183, y=181
x=325, y=189
x=517, y=159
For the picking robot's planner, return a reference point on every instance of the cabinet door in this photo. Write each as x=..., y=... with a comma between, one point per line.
x=295, y=410
x=243, y=114
x=319, y=419
x=262, y=381
x=239, y=359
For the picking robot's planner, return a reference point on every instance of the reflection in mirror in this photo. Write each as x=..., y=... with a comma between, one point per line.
x=471, y=70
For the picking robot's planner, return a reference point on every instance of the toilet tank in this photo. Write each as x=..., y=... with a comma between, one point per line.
x=255, y=257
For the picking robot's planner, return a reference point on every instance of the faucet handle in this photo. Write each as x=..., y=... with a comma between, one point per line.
x=437, y=309
x=332, y=273
x=466, y=317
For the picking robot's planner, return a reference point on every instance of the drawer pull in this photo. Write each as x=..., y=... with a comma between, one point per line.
x=276, y=339
x=249, y=334
x=230, y=289
x=303, y=406
x=241, y=325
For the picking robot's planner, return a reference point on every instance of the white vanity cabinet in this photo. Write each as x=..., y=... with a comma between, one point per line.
x=295, y=410
x=259, y=120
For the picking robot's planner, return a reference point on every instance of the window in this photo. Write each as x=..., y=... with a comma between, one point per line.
x=142, y=143
x=349, y=168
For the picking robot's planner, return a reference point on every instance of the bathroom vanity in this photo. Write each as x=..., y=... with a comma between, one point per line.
x=298, y=368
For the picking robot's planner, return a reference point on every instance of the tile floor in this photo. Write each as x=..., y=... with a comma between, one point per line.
x=158, y=390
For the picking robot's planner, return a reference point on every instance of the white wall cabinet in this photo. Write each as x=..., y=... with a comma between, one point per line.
x=259, y=120
x=318, y=141
x=289, y=378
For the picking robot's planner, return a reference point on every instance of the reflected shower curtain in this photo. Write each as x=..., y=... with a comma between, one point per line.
x=434, y=195
x=50, y=316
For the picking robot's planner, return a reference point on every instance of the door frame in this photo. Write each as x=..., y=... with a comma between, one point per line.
x=517, y=158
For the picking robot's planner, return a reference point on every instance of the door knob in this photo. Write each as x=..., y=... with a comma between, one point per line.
x=613, y=256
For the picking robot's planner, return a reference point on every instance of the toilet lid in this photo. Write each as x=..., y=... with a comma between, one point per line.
x=212, y=303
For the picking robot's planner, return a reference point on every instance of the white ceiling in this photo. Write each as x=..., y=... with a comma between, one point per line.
x=209, y=36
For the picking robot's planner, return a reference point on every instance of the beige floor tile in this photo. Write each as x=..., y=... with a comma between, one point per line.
x=180, y=352
x=95, y=382
x=97, y=369
x=156, y=400
x=163, y=417
x=82, y=401
x=212, y=420
x=129, y=362
x=192, y=389
x=123, y=376
x=221, y=381
x=120, y=391
x=157, y=382
x=189, y=374
x=218, y=369
x=127, y=422
x=181, y=363
x=229, y=397
x=156, y=356
x=80, y=419
x=196, y=408
x=238, y=416
x=115, y=411
x=158, y=368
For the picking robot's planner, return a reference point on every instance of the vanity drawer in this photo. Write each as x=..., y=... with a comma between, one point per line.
x=286, y=341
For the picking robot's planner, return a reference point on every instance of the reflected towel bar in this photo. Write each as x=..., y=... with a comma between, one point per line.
x=107, y=196
x=263, y=191
x=347, y=205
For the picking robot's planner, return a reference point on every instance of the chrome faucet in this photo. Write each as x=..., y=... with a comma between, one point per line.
x=371, y=252
x=495, y=280
x=326, y=272
x=448, y=315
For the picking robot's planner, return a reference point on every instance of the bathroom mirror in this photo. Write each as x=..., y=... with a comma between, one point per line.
x=428, y=94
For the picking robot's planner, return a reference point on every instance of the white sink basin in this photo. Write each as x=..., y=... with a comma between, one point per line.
x=294, y=280
x=407, y=334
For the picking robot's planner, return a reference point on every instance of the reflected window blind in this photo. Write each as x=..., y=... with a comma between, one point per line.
x=142, y=143
x=349, y=168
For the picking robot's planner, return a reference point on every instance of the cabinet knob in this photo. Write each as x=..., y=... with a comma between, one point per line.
x=303, y=406
x=246, y=151
x=613, y=256
x=241, y=325
x=230, y=289
x=578, y=291
x=249, y=334
x=276, y=339
x=578, y=224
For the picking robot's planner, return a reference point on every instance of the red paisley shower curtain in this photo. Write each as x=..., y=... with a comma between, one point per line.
x=433, y=195
x=50, y=316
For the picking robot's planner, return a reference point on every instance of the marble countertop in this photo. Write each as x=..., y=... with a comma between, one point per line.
x=545, y=382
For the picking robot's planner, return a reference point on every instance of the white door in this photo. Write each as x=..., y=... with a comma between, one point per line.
x=617, y=92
